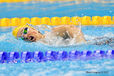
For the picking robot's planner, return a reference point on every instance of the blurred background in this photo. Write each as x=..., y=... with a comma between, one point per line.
x=52, y=8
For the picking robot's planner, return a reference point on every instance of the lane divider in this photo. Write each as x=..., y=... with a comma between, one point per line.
x=77, y=1
x=39, y=56
x=54, y=21
x=15, y=1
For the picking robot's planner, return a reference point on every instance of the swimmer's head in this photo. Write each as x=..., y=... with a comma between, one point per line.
x=17, y=29
x=27, y=33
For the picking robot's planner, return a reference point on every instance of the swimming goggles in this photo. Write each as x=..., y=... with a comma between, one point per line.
x=25, y=31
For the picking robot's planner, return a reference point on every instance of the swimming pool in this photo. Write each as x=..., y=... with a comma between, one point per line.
x=98, y=67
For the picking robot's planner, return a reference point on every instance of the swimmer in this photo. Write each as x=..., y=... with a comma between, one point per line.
x=31, y=34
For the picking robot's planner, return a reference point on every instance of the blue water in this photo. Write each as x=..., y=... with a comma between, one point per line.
x=46, y=9
x=59, y=68
x=9, y=43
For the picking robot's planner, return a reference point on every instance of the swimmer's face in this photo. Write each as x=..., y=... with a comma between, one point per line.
x=29, y=34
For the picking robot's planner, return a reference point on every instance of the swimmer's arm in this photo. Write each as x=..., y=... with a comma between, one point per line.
x=72, y=32
x=59, y=31
x=62, y=29
x=77, y=34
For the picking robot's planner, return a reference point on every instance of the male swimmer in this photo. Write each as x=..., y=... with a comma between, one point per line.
x=31, y=34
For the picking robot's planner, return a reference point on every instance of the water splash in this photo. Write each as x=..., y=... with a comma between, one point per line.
x=52, y=40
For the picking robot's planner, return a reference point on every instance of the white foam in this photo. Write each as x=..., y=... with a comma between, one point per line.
x=92, y=66
x=41, y=73
x=105, y=63
x=2, y=75
x=3, y=68
x=3, y=37
x=52, y=40
x=110, y=34
x=70, y=73
x=110, y=67
x=23, y=74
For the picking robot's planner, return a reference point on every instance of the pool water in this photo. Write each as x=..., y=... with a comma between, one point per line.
x=98, y=67
x=59, y=9
x=104, y=67
x=9, y=43
x=59, y=68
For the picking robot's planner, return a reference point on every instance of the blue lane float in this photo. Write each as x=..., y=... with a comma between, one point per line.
x=39, y=56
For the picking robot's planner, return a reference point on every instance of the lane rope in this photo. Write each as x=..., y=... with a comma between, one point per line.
x=39, y=56
x=55, y=21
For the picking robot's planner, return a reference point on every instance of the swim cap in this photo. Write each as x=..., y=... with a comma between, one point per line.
x=15, y=31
